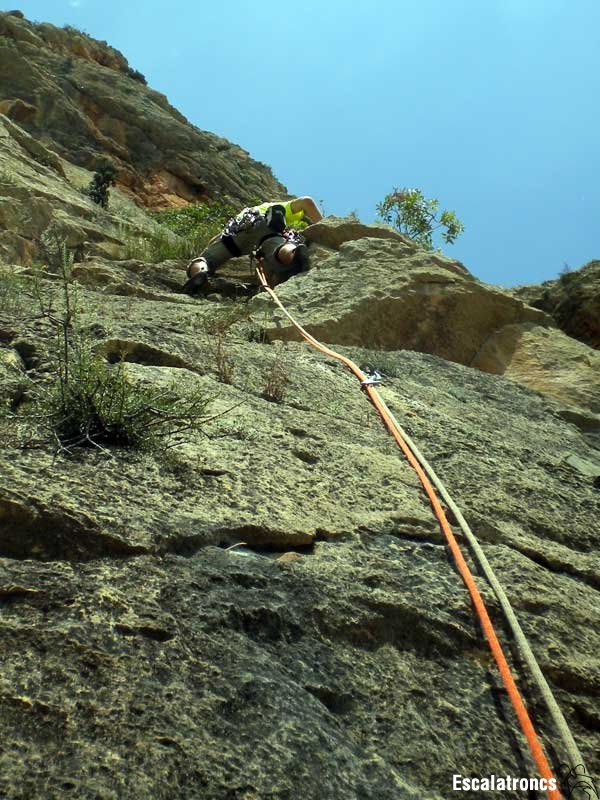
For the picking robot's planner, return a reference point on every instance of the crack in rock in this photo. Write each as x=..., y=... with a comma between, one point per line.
x=29, y=529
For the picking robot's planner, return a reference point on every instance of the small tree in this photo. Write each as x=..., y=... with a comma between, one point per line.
x=104, y=177
x=413, y=214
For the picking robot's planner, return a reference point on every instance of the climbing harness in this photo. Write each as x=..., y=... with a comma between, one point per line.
x=583, y=788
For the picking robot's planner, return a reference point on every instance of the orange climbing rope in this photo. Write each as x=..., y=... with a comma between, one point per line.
x=513, y=692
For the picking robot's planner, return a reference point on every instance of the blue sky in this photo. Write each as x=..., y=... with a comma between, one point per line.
x=491, y=106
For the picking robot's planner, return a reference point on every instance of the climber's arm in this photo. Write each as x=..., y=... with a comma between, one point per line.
x=310, y=208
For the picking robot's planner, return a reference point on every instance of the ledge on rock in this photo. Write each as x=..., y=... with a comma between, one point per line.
x=379, y=294
x=334, y=231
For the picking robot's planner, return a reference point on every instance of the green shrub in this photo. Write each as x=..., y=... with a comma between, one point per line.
x=181, y=233
x=66, y=66
x=136, y=75
x=414, y=215
x=276, y=377
x=104, y=177
x=198, y=221
x=91, y=403
x=160, y=245
x=7, y=41
x=217, y=329
x=222, y=318
x=384, y=362
x=87, y=402
x=567, y=274
x=76, y=31
x=222, y=357
x=52, y=246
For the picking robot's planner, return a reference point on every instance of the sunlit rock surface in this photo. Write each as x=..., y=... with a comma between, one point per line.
x=270, y=610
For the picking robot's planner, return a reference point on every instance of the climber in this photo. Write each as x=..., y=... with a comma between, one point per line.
x=269, y=231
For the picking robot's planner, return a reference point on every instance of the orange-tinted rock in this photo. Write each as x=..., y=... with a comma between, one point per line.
x=81, y=99
x=18, y=110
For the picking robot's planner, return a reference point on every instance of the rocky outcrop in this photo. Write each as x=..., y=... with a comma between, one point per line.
x=332, y=232
x=573, y=300
x=80, y=98
x=546, y=360
x=388, y=293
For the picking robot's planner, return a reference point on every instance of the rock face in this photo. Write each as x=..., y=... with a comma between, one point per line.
x=573, y=300
x=80, y=98
x=333, y=652
x=37, y=199
x=270, y=610
x=545, y=359
x=387, y=293
x=333, y=232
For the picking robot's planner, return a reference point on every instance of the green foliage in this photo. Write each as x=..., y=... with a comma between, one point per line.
x=223, y=317
x=181, y=233
x=52, y=246
x=136, y=75
x=104, y=177
x=218, y=334
x=382, y=361
x=222, y=357
x=94, y=404
x=7, y=41
x=160, y=245
x=88, y=402
x=276, y=378
x=567, y=274
x=413, y=214
x=197, y=221
x=13, y=298
x=67, y=65
x=76, y=31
